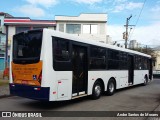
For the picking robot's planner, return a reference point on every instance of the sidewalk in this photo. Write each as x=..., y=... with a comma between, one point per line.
x=4, y=90
x=4, y=86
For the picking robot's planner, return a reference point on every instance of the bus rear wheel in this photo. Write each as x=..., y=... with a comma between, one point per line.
x=111, y=87
x=97, y=90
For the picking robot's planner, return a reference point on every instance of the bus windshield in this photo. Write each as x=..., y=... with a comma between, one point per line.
x=27, y=47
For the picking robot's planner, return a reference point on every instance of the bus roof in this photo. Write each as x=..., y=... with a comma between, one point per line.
x=92, y=42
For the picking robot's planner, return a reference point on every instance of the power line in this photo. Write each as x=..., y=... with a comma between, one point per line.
x=138, y=18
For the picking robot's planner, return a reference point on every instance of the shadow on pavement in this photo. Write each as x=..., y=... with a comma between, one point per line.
x=60, y=104
x=54, y=104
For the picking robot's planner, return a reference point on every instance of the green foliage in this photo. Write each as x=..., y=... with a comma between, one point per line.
x=154, y=54
x=145, y=50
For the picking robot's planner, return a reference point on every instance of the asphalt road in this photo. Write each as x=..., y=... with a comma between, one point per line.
x=138, y=98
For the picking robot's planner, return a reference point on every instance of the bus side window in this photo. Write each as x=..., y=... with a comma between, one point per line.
x=138, y=63
x=145, y=64
x=123, y=62
x=61, y=54
x=60, y=49
x=97, y=58
x=113, y=59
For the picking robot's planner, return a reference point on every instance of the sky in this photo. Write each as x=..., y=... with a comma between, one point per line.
x=145, y=15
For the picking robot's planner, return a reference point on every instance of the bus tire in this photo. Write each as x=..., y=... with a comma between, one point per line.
x=145, y=80
x=111, y=87
x=97, y=90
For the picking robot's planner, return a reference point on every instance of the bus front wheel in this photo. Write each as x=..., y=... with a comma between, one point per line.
x=111, y=87
x=97, y=90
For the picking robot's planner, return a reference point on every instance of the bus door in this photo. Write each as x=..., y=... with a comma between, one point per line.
x=80, y=70
x=150, y=68
x=130, y=69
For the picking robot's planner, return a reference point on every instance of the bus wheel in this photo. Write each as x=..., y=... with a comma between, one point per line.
x=111, y=87
x=145, y=80
x=97, y=90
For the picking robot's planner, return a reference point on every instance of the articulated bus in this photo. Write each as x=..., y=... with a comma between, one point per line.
x=53, y=66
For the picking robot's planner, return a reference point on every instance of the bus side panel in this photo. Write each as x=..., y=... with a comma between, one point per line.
x=48, y=74
x=121, y=77
x=139, y=76
x=60, y=82
x=64, y=85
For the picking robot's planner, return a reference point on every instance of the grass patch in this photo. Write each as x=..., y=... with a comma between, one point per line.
x=4, y=82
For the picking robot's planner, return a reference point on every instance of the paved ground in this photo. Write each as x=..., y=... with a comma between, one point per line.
x=139, y=98
x=4, y=88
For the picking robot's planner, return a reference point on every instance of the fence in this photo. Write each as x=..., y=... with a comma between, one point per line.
x=156, y=73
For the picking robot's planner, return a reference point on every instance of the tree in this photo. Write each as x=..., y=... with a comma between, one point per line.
x=147, y=50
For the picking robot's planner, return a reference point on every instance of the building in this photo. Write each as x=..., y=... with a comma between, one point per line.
x=2, y=38
x=157, y=58
x=11, y=25
x=89, y=26
x=16, y=25
x=134, y=44
x=109, y=39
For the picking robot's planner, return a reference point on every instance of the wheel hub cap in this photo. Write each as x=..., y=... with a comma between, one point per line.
x=97, y=90
x=111, y=87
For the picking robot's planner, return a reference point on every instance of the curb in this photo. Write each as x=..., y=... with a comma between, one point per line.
x=156, y=110
x=5, y=96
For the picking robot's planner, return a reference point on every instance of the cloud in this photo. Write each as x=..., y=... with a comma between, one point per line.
x=132, y=5
x=127, y=6
x=119, y=8
x=154, y=11
x=115, y=31
x=148, y=35
x=30, y=10
x=35, y=8
x=120, y=1
x=116, y=2
x=44, y=3
x=88, y=1
x=111, y=6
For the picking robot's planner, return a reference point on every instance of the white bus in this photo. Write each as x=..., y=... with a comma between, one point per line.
x=54, y=66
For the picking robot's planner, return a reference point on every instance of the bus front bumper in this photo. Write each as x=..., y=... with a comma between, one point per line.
x=32, y=92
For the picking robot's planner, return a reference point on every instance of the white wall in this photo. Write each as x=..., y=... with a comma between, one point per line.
x=157, y=63
x=52, y=28
x=87, y=19
x=83, y=17
x=11, y=32
x=101, y=31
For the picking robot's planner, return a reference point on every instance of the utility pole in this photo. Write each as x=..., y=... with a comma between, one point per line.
x=126, y=33
x=6, y=48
